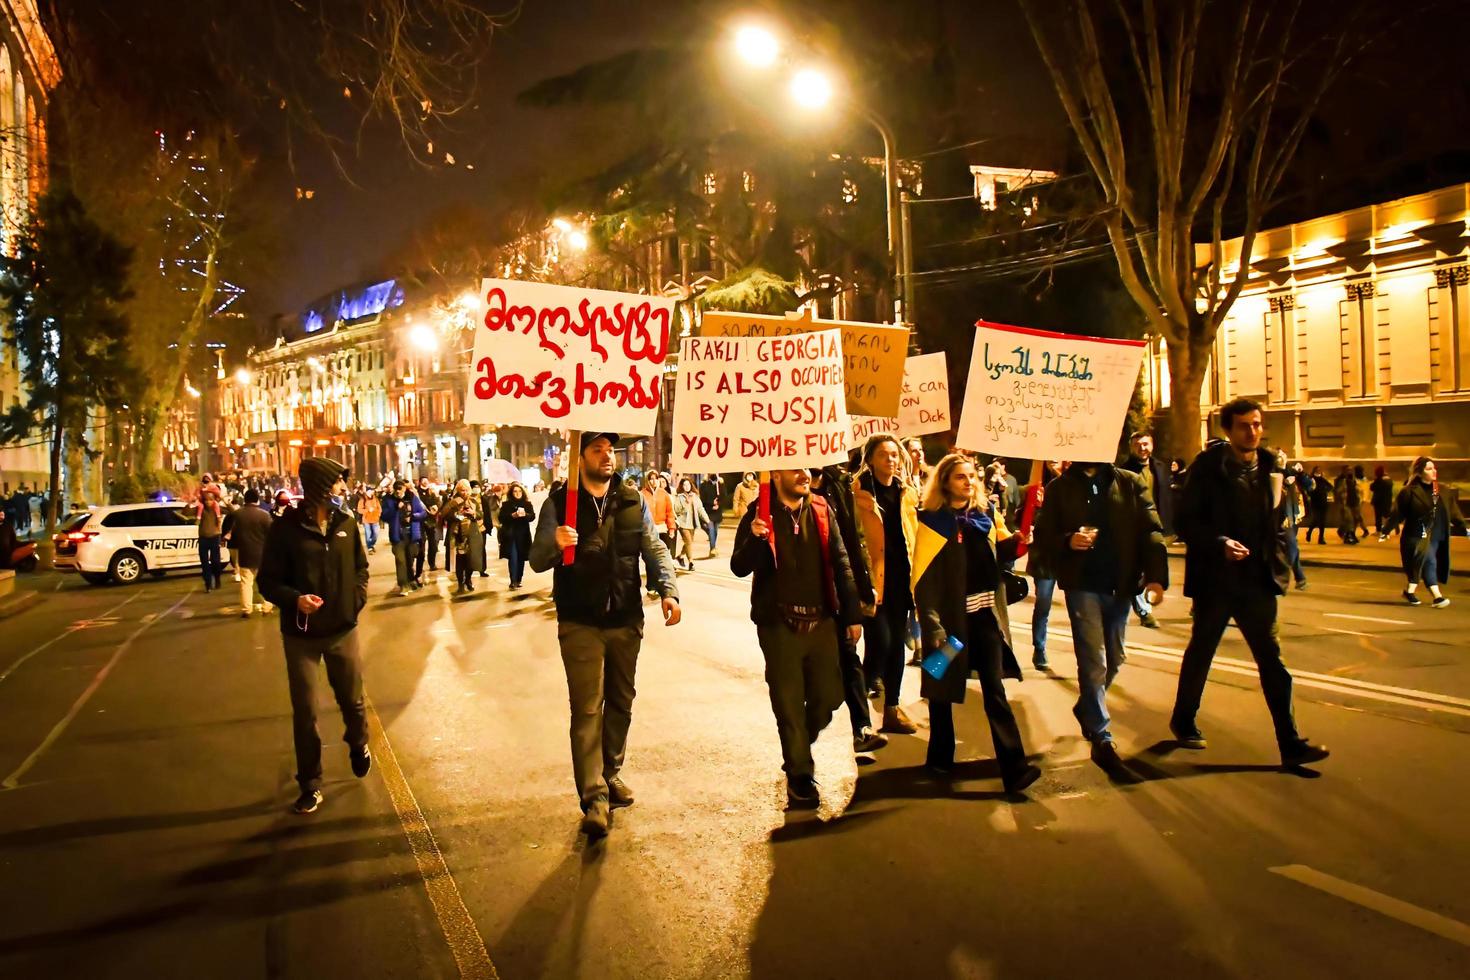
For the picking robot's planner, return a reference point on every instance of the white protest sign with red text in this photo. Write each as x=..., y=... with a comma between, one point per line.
x=923, y=407
x=559, y=357
x=758, y=403
x=1035, y=394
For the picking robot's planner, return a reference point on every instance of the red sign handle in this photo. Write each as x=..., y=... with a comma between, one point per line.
x=574, y=491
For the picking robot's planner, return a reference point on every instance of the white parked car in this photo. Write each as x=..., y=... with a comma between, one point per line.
x=121, y=542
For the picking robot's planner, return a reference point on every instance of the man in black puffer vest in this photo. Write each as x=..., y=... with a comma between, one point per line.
x=599, y=614
x=315, y=570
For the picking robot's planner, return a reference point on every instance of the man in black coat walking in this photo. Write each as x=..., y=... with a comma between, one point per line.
x=249, y=527
x=315, y=569
x=1154, y=473
x=1235, y=568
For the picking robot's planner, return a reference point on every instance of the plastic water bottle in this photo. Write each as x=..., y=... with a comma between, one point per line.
x=937, y=663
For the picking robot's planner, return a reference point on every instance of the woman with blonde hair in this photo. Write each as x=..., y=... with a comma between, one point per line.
x=957, y=561
x=464, y=534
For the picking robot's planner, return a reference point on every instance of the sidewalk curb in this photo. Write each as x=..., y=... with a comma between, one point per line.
x=18, y=603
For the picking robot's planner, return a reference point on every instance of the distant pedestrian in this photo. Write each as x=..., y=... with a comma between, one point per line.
x=405, y=516
x=1428, y=514
x=249, y=526
x=281, y=504
x=1038, y=566
x=1380, y=493
x=1293, y=509
x=465, y=534
x=491, y=498
x=1317, y=499
x=428, y=543
x=211, y=527
x=661, y=506
x=918, y=471
x=711, y=490
x=1235, y=569
x=745, y=494
x=888, y=521
x=517, y=515
x=1100, y=532
x=314, y=567
x=689, y=517
x=1349, y=505
x=802, y=597
x=1156, y=480
x=599, y=614
x=371, y=510
x=958, y=589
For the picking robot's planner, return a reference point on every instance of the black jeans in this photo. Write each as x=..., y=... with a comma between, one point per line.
x=884, y=654
x=428, y=547
x=403, y=552
x=854, y=683
x=985, y=653
x=209, y=563
x=1255, y=614
x=1317, y=521
x=463, y=573
x=344, y=672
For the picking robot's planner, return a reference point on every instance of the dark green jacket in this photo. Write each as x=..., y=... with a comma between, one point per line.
x=1136, y=536
x=299, y=560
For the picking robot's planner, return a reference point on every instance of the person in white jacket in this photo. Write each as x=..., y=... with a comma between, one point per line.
x=689, y=516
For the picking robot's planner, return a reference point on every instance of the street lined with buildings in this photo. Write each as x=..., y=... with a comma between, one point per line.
x=148, y=755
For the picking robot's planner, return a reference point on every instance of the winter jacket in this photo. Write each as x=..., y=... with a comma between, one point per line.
x=1134, y=534
x=836, y=489
x=464, y=530
x=393, y=509
x=516, y=530
x=745, y=495
x=1208, y=513
x=872, y=532
x=602, y=586
x=372, y=509
x=300, y=560
x=1426, y=525
x=1163, y=490
x=709, y=495
x=661, y=508
x=689, y=512
x=249, y=526
x=757, y=556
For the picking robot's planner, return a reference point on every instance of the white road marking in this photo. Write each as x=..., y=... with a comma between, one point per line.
x=1303, y=678
x=62, y=635
x=1369, y=619
x=13, y=780
x=1394, y=908
x=1333, y=629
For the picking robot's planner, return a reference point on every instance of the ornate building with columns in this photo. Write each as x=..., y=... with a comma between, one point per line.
x=29, y=71
x=1354, y=330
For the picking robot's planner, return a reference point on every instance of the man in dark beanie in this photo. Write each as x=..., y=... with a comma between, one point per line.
x=315, y=570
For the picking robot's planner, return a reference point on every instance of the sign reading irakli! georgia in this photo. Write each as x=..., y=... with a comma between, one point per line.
x=1035, y=394
x=566, y=358
x=760, y=403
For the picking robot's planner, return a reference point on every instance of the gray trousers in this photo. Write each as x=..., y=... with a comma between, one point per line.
x=805, y=682
x=343, y=659
x=600, y=666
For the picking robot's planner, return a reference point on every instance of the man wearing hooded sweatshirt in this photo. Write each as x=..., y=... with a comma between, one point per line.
x=315, y=570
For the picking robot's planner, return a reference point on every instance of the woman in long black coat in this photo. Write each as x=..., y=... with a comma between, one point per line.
x=958, y=592
x=517, y=514
x=1428, y=515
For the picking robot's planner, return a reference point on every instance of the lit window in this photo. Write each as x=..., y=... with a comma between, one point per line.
x=849, y=191
x=710, y=184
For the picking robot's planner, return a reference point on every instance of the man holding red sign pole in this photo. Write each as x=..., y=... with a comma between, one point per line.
x=604, y=527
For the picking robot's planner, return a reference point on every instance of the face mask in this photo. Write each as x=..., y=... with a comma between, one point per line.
x=336, y=500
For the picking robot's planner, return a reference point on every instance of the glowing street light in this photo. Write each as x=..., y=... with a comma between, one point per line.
x=242, y=377
x=423, y=338
x=577, y=239
x=811, y=89
x=757, y=46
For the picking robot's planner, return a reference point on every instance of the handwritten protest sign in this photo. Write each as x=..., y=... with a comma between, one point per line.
x=566, y=358
x=923, y=407
x=872, y=353
x=759, y=403
x=1042, y=395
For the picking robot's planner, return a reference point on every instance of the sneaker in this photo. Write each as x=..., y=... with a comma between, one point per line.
x=484, y=575
x=803, y=793
x=1301, y=586
x=875, y=690
x=618, y=792
x=595, y=820
x=1022, y=778
x=1441, y=602
x=1187, y=736
x=1147, y=619
x=1411, y=598
x=898, y=723
x=1301, y=752
x=1105, y=754
x=868, y=741
x=1040, y=663
x=307, y=802
x=362, y=761
x=396, y=592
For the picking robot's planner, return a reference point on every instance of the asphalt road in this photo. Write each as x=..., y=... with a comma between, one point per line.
x=145, y=772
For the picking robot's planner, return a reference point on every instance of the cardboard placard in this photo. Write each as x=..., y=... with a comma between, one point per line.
x=873, y=353
x=923, y=407
x=1036, y=394
x=559, y=357
x=757, y=403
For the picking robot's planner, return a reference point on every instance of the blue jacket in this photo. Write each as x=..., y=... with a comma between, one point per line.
x=417, y=515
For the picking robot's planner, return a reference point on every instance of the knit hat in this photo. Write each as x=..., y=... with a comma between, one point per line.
x=318, y=475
